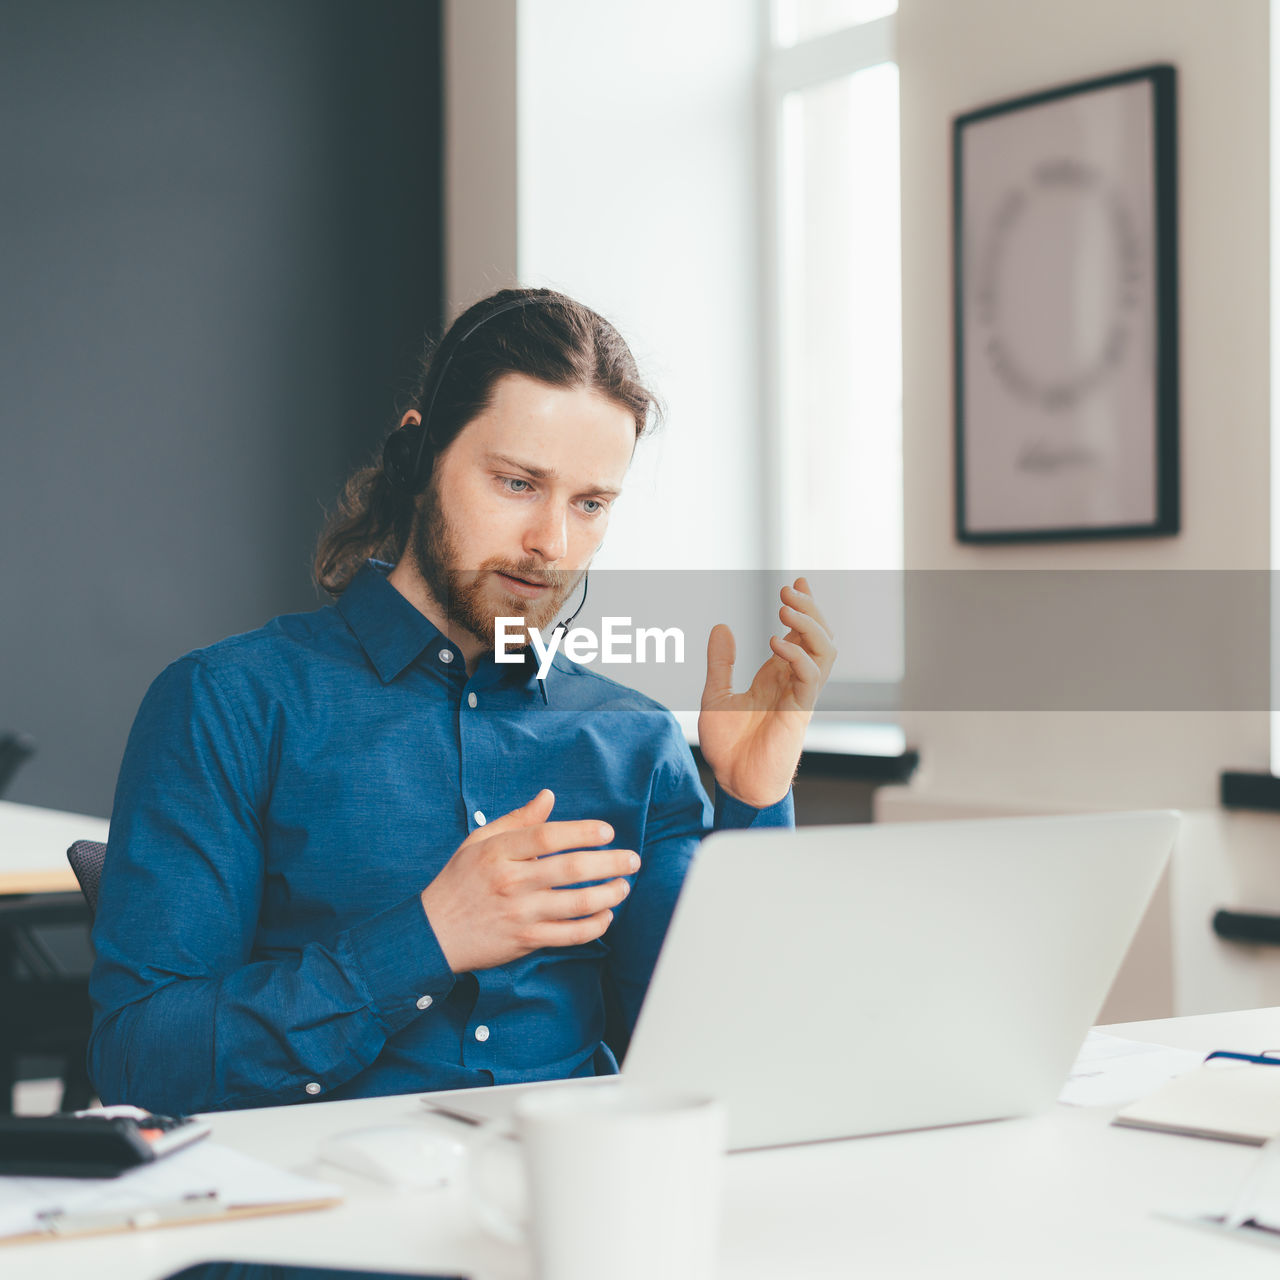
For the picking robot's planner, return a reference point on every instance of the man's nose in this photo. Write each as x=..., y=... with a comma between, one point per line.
x=548, y=535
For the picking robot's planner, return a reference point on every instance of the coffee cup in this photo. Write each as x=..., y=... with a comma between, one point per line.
x=615, y=1181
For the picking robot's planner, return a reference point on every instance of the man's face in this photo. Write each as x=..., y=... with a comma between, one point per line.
x=518, y=504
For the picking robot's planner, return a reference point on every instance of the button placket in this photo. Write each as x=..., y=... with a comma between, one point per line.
x=478, y=757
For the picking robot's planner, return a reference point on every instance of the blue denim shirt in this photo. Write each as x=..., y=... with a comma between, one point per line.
x=284, y=798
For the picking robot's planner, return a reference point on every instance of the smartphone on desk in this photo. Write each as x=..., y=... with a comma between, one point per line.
x=92, y=1144
x=291, y=1271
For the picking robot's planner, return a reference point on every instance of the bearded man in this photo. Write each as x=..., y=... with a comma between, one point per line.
x=333, y=870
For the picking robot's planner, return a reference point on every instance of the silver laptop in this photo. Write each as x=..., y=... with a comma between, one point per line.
x=830, y=982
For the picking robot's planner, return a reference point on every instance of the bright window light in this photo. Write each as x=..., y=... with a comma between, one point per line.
x=798, y=20
x=841, y=323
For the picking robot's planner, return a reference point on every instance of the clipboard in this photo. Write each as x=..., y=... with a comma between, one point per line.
x=177, y=1214
x=203, y=1183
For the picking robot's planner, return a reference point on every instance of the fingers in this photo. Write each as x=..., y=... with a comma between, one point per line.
x=581, y=868
x=810, y=634
x=801, y=599
x=552, y=837
x=533, y=811
x=721, y=650
x=573, y=933
x=807, y=626
x=526, y=833
x=530, y=814
x=575, y=904
x=806, y=671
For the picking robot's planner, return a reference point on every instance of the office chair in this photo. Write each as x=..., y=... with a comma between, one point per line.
x=44, y=1011
x=48, y=1013
x=86, y=858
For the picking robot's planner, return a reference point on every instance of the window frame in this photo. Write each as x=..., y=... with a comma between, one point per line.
x=784, y=70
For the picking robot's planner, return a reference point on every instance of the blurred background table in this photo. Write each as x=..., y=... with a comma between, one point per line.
x=44, y=1002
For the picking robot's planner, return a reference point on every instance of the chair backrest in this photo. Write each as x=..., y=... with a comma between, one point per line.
x=86, y=858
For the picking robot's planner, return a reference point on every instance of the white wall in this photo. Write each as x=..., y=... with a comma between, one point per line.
x=637, y=194
x=955, y=55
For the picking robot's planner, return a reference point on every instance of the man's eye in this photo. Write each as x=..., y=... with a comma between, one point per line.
x=592, y=506
x=515, y=480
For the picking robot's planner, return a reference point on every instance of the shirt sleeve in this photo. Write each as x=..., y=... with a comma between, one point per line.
x=186, y=1018
x=680, y=816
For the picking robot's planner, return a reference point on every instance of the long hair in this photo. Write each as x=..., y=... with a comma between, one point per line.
x=552, y=338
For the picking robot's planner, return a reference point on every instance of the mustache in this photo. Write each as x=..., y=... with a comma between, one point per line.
x=562, y=579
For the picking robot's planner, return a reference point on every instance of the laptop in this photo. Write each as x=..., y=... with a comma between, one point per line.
x=834, y=982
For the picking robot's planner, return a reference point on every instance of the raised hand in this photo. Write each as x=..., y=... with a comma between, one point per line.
x=752, y=741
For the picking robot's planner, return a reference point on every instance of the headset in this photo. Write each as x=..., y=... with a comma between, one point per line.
x=406, y=447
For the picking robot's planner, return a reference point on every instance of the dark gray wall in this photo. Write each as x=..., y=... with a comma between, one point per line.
x=219, y=252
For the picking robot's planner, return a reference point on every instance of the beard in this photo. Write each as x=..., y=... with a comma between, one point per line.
x=461, y=592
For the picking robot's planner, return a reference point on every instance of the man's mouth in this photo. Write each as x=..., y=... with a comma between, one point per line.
x=527, y=587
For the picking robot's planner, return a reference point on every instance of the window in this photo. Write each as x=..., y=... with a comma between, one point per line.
x=798, y=20
x=833, y=302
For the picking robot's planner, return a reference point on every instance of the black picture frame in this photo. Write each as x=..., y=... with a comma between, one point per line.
x=1088, y=449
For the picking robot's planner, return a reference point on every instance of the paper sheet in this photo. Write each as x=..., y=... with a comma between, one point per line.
x=1113, y=1072
x=196, y=1170
x=1258, y=1202
x=1262, y=1202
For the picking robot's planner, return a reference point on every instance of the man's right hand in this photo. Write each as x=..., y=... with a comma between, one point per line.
x=500, y=897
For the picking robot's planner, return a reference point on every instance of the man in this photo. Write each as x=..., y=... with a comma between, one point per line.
x=329, y=869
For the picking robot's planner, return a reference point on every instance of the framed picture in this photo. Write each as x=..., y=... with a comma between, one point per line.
x=1066, y=315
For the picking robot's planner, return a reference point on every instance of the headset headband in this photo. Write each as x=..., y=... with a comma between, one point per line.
x=441, y=367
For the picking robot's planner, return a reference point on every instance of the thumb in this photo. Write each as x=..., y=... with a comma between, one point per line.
x=531, y=814
x=721, y=650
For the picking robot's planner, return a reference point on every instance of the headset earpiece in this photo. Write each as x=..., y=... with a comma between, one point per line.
x=398, y=456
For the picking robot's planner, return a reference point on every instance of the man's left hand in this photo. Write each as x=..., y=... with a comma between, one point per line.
x=752, y=740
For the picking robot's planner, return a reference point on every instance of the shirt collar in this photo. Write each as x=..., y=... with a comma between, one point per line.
x=394, y=634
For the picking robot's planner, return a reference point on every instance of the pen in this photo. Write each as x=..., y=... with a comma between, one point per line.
x=199, y=1204
x=1264, y=1059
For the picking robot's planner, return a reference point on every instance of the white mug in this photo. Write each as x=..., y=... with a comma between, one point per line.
x=620, y=1181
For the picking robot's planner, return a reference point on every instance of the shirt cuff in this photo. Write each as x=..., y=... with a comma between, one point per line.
x=732, y=814
x=399, y=962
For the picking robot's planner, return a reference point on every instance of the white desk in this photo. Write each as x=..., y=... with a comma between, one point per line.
x=33, y=847
x=1061, y=1194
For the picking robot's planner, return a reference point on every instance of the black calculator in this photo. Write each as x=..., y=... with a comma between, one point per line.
x=92, y=1144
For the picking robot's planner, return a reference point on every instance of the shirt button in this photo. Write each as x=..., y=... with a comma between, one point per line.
x=446, y=655
x=313, y=1088
x=482, y=1033
x=424, y=1002
x=471, y=699
x=480, y=818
